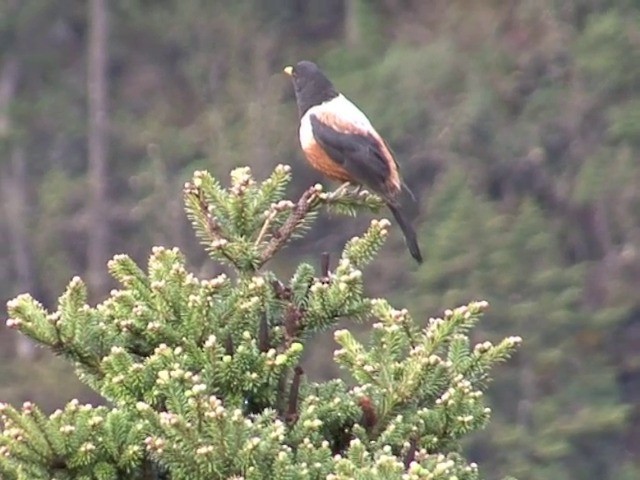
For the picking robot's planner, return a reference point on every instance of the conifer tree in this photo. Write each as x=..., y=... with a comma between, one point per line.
x=203, y=376
x=545, y=414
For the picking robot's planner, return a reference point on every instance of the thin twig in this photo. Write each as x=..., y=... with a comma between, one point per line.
x=411, y=453
x=265, y=226
x=369, y=416
x=292, y=318
x=281, y=291
x=325, y=262
x=263, y=333
x=228, y=345
x=292, y=408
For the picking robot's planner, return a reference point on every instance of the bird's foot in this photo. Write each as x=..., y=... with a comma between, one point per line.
x=342, y=188
x=345, y=189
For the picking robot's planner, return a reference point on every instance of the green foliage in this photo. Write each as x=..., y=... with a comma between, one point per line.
x=535, y=101
x=607, y=53
x=433, y=369
x=204, y=374
x=80, y=442
x=546, y=384
x=245, y=226
x=625, y=123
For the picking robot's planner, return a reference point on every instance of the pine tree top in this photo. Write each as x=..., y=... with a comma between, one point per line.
x=203, y=376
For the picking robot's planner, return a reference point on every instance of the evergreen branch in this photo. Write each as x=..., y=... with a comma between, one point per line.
x=215, y=236
x=272, y=189
x=349, y=201
x=204, y=375
x=307, y=202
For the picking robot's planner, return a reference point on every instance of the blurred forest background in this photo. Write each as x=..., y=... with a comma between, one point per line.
x=517, y=123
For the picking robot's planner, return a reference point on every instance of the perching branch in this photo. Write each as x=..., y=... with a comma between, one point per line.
x=307, y=202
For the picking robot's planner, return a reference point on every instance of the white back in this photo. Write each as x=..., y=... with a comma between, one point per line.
x=341, y=107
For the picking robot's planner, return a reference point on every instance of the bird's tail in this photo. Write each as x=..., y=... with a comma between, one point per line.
x=408, y=232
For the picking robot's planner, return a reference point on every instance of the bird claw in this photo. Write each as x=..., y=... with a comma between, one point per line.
x=341, y=188
x=344, y=189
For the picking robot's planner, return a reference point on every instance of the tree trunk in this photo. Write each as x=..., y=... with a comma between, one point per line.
x=258, y=108
x=352, y=23
x=15, y=198
x=98, y=225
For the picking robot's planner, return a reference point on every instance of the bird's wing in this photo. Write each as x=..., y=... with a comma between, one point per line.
x=362, y=153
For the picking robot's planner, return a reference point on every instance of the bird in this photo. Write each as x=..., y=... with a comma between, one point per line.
x=340, y=142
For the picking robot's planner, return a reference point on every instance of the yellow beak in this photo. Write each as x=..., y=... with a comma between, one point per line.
x=288, y=70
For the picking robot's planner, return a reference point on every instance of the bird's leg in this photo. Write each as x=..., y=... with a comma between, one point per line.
x=341, y=188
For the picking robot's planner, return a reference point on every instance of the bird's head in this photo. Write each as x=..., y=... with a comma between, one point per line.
x=311, y=86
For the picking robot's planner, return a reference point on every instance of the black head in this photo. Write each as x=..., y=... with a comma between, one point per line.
x=312, y=87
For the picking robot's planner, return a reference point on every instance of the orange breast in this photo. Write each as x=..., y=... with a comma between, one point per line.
x=319, y=160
